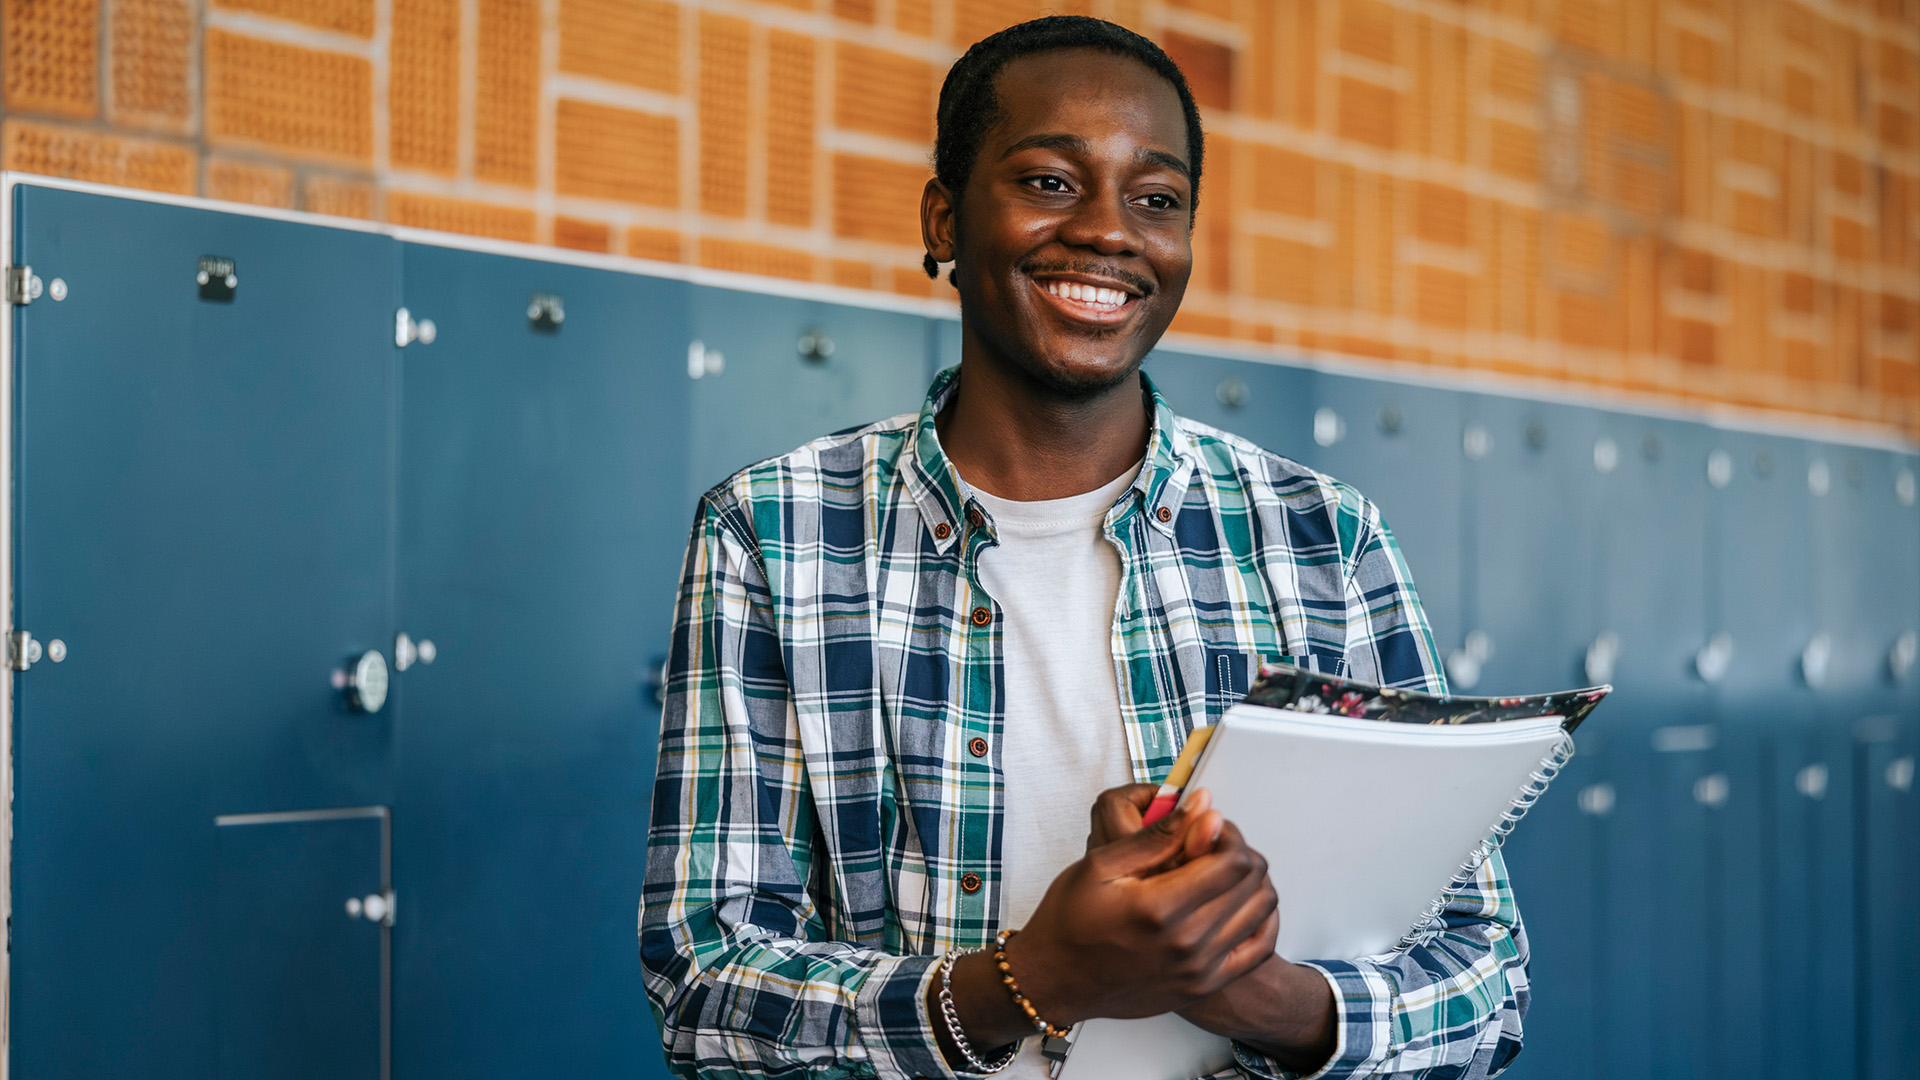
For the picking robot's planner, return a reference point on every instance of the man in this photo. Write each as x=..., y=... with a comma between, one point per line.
x=908, y=658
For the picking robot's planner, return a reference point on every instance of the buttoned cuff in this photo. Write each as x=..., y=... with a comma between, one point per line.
x=1364, y=1004
x=891, y=1011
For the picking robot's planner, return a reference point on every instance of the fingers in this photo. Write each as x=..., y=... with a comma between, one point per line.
x=1150, y=850
x=1228, y=863
x=1116, y=813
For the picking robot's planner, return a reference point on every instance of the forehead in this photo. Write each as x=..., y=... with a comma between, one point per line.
x=1091, y=93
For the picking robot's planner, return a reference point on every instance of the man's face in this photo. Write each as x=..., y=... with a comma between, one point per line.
x=1072, y=242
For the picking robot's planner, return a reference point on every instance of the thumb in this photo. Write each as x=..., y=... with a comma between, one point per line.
x=1157, y=846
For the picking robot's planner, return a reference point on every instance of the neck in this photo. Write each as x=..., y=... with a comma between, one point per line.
x=1015, y=439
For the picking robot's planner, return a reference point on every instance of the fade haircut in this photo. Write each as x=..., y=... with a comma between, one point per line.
x=969, y=107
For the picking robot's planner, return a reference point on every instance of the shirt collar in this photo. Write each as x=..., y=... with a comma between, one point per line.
x=936, y=488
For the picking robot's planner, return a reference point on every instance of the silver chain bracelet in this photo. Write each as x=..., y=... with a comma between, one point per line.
x=953, y=1021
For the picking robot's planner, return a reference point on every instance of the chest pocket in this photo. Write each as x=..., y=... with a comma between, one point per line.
x=1230, y=673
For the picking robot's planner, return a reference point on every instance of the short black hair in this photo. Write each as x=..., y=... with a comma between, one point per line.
x=968, y=105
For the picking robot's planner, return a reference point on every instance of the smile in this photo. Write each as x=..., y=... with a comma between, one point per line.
x=1087, y=302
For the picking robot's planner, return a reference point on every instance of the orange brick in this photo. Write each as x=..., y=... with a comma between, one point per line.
x=1287, y=270
x=1896, y=126
x=308, y=102
x=629, y=41
x=1847, y=175
x=53, y=150
x=1754, y=214
x=914, y=17
x=1580, y=245
x=860, y=11
x=1897, y=64
x=1697, y=57
x=423, y=89
x=1593, y=25
x=1285, y=182
x=1513, y=72
x=507, y=98
x=1441, y=214
x=1191, y=320
x=790, y=128
x=249, y=182
x=1513, y=150
x=1208, y=66
x=1697, y=271
x=911, y=282
x=343, y=16
x=875, y=199
x=1799, y=91
x=1442, y=297
x=611, y=153
x=1219, y=9
x=723, y=115
x=582, y=235
x=341, y=197
x=660, y=245
x=851, y=273
x=1263, y=57
x=1896, y=314
x=1368, y=28
x=1698, y=342
x=50, y=55
x=151, y=63
x=1799, y=26
x=882, y=92
x=1797, y=293
x=461, y=216
x=1587, y=321
x=975, y=19
x=1369, y=113
x=1849, y=238
x=750, y=258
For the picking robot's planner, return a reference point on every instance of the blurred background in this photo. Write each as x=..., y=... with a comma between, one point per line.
x=342, y=548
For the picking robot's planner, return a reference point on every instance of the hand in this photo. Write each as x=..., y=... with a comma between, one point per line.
x=1120, y=811
x=1283, y=1010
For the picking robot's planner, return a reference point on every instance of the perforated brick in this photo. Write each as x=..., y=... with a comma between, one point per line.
x=423, y=87
x=1369, y=113
x=975, y=19
x=581, y=235
x=1287, y=270
x=309, y=102
x=321, y=193
x=661, y=245
x=1441, y=214
x=1285, y=182
x=723, y=115
x=883, y=92
x=507, y=93
x=914, y=17
x=342, y=16
x=1207, y=64
x=151, y=63
x=1369, y=28
x=1513, y=150
x=1513, y=72
x=461, y=216
x=911, y=282
x=746, y=257
x=790, y=128
x=249, y=182
x=875, y=199
x=1895, y=126
x=611, y=153
x=1219, y=9
x=49, y=56
x=852, y=273
x=1442, y=297
x=629, y=41
x=857, y=11
x=53, y=150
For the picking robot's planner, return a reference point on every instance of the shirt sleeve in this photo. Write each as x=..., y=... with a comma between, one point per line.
x=740, y=969
x=1448, y=1008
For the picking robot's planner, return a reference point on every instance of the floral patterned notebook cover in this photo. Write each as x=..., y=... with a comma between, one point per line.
x=1283, y=686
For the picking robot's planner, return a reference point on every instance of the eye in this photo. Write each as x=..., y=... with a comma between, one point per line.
x=1160, y=200
x=1048, y=183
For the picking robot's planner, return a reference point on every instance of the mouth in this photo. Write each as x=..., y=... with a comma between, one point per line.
x=1089, y=299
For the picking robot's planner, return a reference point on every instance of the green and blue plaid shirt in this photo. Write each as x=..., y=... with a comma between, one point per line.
x=822, y=830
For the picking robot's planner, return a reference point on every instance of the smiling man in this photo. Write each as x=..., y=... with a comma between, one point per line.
x=909, y=661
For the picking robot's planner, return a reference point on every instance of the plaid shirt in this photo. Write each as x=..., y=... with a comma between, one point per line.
x=821, y=831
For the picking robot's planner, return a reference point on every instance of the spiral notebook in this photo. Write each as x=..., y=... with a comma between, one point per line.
x=1372, y=807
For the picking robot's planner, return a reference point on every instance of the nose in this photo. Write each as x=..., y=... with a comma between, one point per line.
x=1100, y=222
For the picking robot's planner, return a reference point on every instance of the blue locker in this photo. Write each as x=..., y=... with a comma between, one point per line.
x=204, y=601
x=1889, y=939
x=543, y=523
x=789, y=371
x=1267, y=404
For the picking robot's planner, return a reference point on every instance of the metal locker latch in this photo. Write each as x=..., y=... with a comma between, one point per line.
x=407, y=330
x=23, y=287
x=22, y=651
x=376, y=908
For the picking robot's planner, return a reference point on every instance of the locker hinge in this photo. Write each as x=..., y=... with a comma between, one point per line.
x=22, y=650
x=23, y=287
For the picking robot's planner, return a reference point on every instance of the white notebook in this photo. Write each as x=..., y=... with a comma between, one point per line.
x=1366, y=826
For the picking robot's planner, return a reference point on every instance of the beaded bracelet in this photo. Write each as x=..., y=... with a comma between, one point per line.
x=1013, y=987
x=953, y=1022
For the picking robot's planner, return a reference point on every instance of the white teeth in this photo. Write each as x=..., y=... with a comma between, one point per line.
x=1087, y=294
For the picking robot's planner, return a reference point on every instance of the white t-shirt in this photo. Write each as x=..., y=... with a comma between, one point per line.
x=1057, y=580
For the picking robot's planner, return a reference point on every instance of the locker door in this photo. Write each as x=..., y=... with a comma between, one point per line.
x=543, y=522
x=204, y=521
x=1889, y=823
x=778, y=372
x=1266, y=404
x=304, y=905
x=1400, y=446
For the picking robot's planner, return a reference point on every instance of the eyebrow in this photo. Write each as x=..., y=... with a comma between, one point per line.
x=1074, y=144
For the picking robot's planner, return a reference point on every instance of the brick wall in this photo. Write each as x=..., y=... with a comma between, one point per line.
x=1698, y=200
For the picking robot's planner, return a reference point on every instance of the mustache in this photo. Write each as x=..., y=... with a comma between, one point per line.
x=1097, y=269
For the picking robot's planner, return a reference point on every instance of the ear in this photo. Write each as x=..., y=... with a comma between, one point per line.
x=936, y=221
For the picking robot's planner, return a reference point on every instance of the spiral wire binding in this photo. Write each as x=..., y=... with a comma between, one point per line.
x=1537, y=783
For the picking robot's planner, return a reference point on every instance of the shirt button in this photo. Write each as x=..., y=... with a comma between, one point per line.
x=974, y=517
x=942, y=531
x=1165, y=514
x=977, y=746
x=970, y=882
x=981, y=616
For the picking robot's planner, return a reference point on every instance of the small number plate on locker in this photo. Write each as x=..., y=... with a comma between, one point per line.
x=218, y=278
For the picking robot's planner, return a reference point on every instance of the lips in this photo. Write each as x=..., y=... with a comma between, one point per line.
x=1099, y=303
